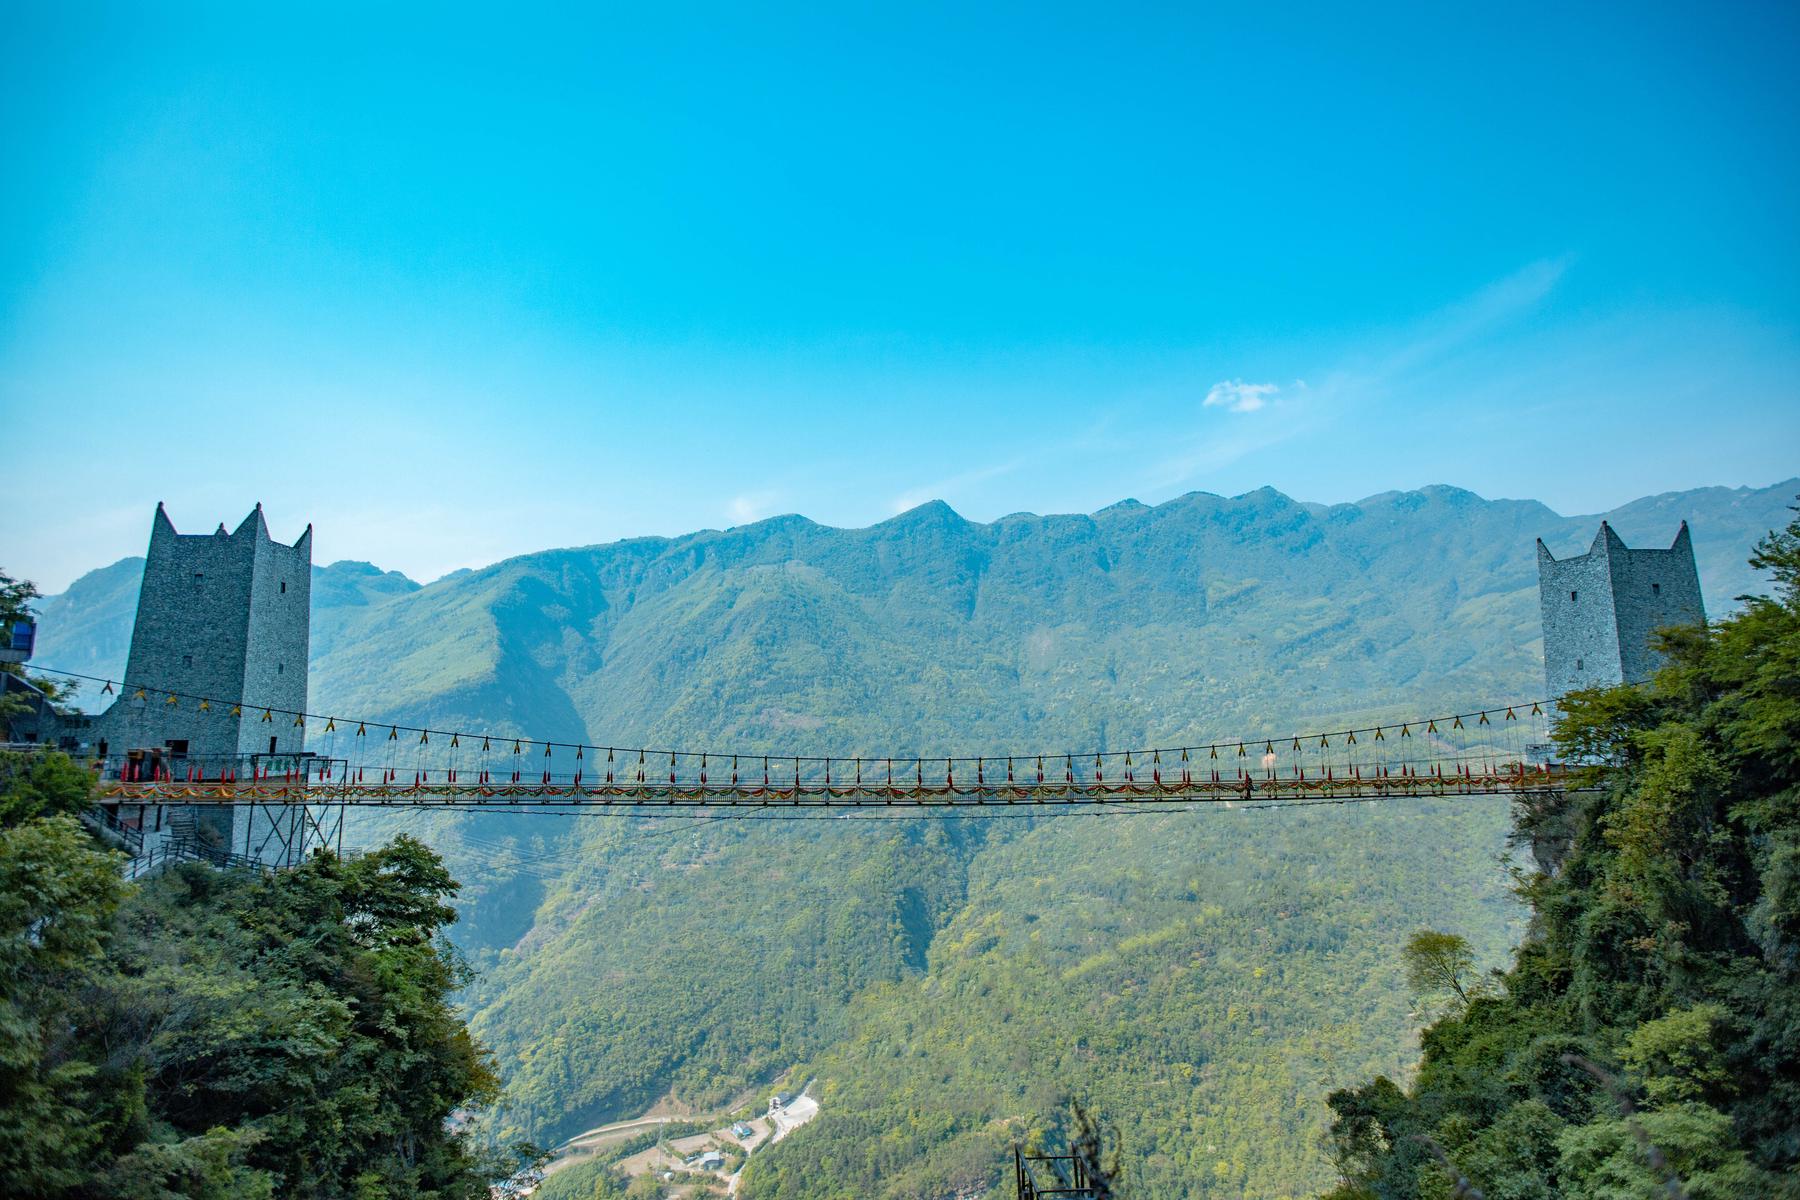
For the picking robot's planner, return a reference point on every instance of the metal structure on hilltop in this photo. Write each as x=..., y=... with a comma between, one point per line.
x=1065, y=1175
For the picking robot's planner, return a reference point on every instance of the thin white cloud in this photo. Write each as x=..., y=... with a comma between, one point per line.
x=1195, y=456
x=751, y=506
x=945, y=488
x=1240, y=397
x=1458, y=325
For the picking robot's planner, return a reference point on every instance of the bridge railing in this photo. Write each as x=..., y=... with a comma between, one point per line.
x=126, y=830
x=1479, y=751
x=161, y=856
x=1246, y=789
x=1496, y=741
x=163, y=766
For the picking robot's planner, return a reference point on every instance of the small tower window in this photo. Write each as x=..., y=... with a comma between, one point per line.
x=187, y=660
x=1573, y=596
x=1578, y=664
x=278, y=668
x=199, y=576
x=284, y=587
x=1656, y=589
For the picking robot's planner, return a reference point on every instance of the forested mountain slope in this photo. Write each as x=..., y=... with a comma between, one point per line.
x=1207, y=978
x=1644, y=1040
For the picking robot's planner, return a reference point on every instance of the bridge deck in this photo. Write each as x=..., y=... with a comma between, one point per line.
x=1516, y=778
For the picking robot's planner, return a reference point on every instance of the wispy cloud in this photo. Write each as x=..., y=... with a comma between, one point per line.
x=950, y=486
x=1451, y=328
x=1240, y=397
x=1196, y=455
x=751, y=506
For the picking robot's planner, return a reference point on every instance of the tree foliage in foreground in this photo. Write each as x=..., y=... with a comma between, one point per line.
x=16, y=596
x=224, y=1035
x=1650, y=1026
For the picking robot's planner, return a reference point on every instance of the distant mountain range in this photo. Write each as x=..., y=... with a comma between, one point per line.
x=1203, y=977
x=928, y=630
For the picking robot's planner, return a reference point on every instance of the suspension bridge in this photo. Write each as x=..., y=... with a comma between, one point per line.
x=355, y=762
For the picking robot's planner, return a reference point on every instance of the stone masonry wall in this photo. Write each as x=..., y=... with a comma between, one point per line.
x=275, y=661
x=1581, y=632
x=1655, y=589
x=1601, y=609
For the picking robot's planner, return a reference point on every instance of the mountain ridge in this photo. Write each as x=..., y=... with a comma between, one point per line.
x=1629, y=514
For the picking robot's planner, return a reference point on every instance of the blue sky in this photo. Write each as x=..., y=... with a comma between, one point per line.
x=454, y=284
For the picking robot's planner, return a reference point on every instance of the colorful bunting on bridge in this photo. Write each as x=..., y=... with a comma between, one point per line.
x=802, y=765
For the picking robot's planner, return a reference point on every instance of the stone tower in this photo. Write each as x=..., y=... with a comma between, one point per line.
x=1600, y=610
x=224, y=616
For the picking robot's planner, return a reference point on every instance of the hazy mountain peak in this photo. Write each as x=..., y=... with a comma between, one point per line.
x=932, y=512
x=355, y=566
x=779, y=522
x=1451, y=494
x=1125, y=506
x=1265, y=497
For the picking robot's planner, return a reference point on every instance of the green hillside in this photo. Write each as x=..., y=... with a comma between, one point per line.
x=1205, y=979
x=1193, y=978
x=1643, y=1041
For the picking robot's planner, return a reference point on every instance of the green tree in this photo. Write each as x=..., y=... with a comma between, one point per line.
x=325, y=1019
x=1438, y=964
x=58, y=894
x=225, y=1035
x=1605, y=1159
x=34, y=784
x=1681, y=1056
x=16, y=596
x=645, y=1187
